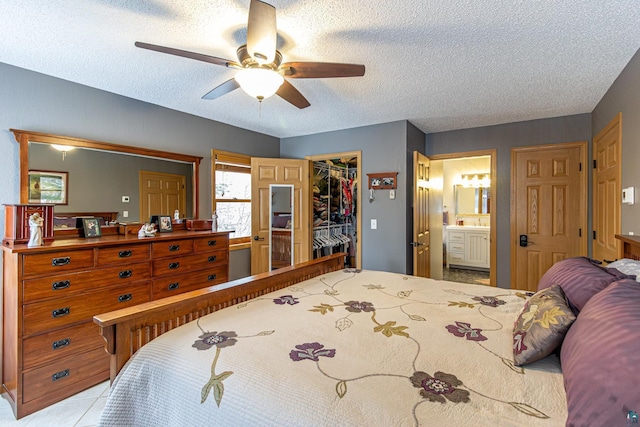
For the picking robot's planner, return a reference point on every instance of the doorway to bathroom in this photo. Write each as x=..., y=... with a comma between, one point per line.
x=462, y=217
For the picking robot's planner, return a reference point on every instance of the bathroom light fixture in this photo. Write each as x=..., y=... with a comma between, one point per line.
x=476, y=180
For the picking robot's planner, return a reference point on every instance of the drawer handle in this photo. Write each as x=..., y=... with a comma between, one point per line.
x=56, y=286
x=59, y=375
x=60, y=344
x=61, y=312
x=211, y=277
x=125, y=298
x=212, y=242
x=126, y=273
x=125, y=254
x=173, y=248
x=174, y=265
x=212, y=258
x=57, y=262
x=174, y=286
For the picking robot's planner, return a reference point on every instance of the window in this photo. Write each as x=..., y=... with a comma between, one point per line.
x=232, y=195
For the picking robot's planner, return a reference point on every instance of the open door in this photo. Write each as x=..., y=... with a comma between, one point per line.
x=607, y=191
x=266, y=173
x=421, y=254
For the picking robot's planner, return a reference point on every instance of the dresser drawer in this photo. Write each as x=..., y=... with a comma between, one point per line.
x=172, y=248
x=165, y=287
x=64, y=373
x=204, y=244
x=124, y=254
x=456, y=236
x=52, y=346
x=63, y=285
x=456, y=247
x=56, y=262
x=176, y=265
x=47, y=315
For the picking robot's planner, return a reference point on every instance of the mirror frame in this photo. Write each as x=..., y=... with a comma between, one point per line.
x=23, y=138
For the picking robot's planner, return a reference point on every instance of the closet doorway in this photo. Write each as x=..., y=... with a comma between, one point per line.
x=335, y=188
x=462, y=217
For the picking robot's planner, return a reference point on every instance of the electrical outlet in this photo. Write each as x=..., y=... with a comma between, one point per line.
x=374, y=224
x=125, y=214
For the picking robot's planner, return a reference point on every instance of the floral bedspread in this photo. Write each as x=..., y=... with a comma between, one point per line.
x=349, y=348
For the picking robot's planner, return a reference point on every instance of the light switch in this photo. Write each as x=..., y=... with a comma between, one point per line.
x=392, y=194
x=374, y=224
x=627, y=196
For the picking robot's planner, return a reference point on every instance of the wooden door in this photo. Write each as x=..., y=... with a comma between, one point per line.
x=421, y=254
x=607, y=199
x=548, y=207
x=161, y=194
x=264, y=172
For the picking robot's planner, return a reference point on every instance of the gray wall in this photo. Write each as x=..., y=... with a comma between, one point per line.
x=624, y=96
x=384, y=149
x=41, y=103
x=98, y=180
x=503, y=138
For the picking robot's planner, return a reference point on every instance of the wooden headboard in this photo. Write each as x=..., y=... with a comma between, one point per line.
x=630, y=246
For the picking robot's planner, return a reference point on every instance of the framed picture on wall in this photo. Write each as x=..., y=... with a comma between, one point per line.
x=383, y=180
x=91, y=227
x=48, y=187
x=164, y=224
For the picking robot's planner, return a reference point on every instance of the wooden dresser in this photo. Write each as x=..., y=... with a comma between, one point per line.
x=52, y=349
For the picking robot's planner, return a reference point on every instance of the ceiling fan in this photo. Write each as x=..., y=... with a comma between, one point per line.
x=262, y=73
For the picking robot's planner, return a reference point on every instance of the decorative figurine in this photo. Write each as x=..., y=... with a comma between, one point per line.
x=214, y=221
x=147, y=230
x=176, y=214
x=35, y=230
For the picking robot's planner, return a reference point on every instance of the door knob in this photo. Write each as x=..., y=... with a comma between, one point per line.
x=258, y=238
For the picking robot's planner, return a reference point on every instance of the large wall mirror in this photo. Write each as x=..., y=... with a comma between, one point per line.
x=105, y=177
x=472, y=200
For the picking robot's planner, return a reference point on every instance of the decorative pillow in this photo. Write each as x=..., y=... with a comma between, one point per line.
x=541, y=325
x=630, y=267
x=580, y=279
x=601, y=356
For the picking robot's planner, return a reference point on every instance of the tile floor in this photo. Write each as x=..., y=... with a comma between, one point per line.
x=475, y=277
x=80, y=410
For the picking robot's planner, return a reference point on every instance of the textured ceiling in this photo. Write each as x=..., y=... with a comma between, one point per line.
x=440, y=64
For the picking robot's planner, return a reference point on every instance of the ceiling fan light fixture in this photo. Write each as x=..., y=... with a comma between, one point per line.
x=63, y=148
x=260, y=83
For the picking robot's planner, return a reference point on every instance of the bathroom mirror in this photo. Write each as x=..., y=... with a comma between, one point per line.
x=281, y=230
x=472, y=200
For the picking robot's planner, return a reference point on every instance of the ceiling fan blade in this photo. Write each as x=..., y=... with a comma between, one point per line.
x=261, y=32
x=223, y=89
x=186, y=54
x=315, y=70
x=292, y=95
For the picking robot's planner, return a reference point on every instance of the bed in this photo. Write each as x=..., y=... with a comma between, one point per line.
x=365, y=348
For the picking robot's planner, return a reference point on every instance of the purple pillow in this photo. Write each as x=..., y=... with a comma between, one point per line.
x=601, y=357
x=580, y=279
